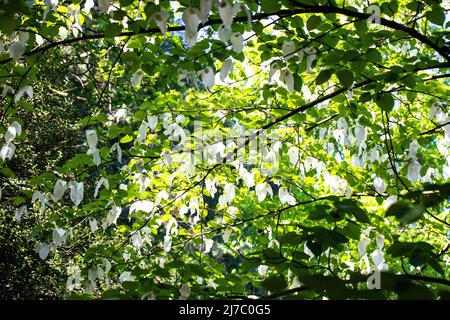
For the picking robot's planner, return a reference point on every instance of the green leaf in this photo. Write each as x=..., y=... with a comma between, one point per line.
x=323, y=76
x=385, y=101
x=274, y=283
x=405, y=212
x=126, y=139
x=112, y=30
x=345, y=77
x=270, y=6
x=437, y=16
x=313, y=22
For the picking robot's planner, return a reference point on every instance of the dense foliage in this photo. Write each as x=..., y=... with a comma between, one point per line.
x=290, y=149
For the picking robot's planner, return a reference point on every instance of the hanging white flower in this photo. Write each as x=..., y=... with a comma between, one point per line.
x=288, y=79
x=380, y=241
x=91, y=137
x=286, y=197
x=16, y=50
x=26, y=89
x=208, y=245
x=116, y=147
x=360, y=134
x=95, y=156
x=390, y=201
x=262, y=269
x=101, y=182
x=142, y=132
x=88, y=5
x=227, y=11
x=180, y=119
x=362, y=245
x=113, y=214
x=378, y=260
x=58, y=236
x=20, y=212
x=413, y=148
x=125, y=276
x=93, y=225
x=167, y=158
x=42, y=200
x=59, y=190
x=210, y=186
x=288, y=48
x=262, y=190
x=414, y=171
x=237, y=42
x=137, y=78
x=227, y=68
x=379, y=185
x=42, y=249
x=14, y=130
x=104, y=5
x=191, y=19
x=226, y=234
x=224, y=33
x=274, y=67
x=160, y=18
x=167, y=243
x=62, y=32
x=76, y=192
x=205, y=8
x=208, y=77
x=184, y=292
x=7, y=151
x=293, y=154
x=152, y=122
x=143, y=205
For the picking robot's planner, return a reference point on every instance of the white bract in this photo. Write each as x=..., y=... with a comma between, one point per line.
x=237, y=42
x=59, y=190
x=160, y=18
x=16, y=50
x=262, y=190
x=288, y=79
x=116, y=147
x=104, y=5
x=227, y=68
x=88, y=5
x=226, y=13
x=137, y=77
x=152, y=122
x=205, y=8
x=288, y=49
x=224, y=33
x=414, y=171
x=20, y=212
x=93, y=225
x=101, y=182
x=362, y=245
x=14, y=130
x=42, y=249
x=191, y=19
x=380, y=241
x=26, y=89
x=91, y=137
x=293, y=154
x=379, y=185
x=286, y=197
x=208, y=77
x=76, y=192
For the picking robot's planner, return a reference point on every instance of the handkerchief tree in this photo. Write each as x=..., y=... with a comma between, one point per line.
x=289, y=149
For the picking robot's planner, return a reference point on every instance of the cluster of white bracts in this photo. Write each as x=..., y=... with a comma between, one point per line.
x=377, y=255
x=8, y=149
